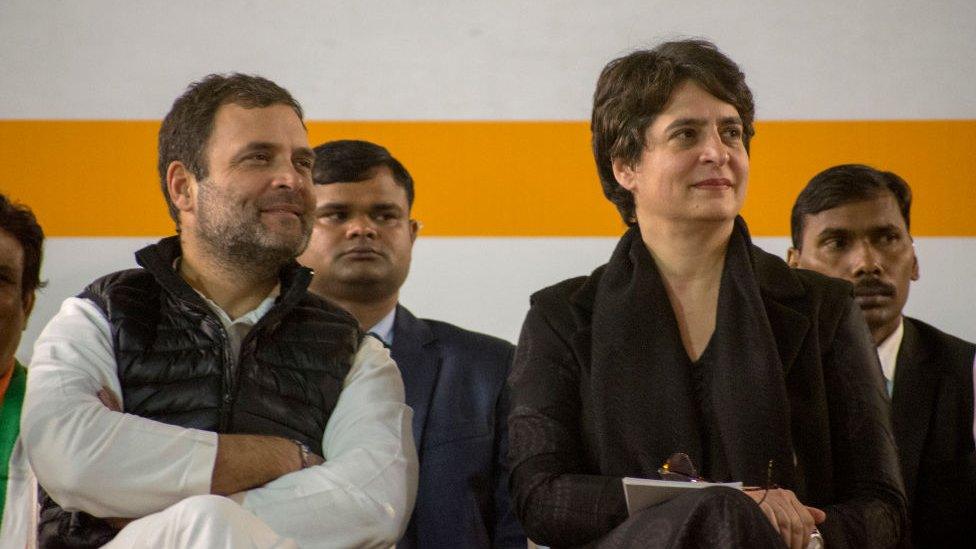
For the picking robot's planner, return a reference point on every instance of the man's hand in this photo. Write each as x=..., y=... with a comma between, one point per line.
x=118, y=523
x=315, y=459
x=248, y=461
x=792, y=519
x=109, y=399
x=243, y=461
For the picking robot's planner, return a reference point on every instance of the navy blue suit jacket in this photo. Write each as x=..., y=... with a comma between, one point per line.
x=455, y=383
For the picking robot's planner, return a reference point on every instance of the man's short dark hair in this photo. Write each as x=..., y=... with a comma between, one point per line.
x=632, y=90
x=19, y=222
x=845, y=184
x=350, y=160
x=187, y=127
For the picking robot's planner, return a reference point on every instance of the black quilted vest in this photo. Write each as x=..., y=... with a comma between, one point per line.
x=175, y=366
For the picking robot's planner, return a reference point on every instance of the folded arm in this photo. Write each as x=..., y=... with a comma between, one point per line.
x=363, y=494
x=91, y=457
x=87, y=456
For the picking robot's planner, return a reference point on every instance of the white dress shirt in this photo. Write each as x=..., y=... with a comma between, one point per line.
x=112, y=464
x=888, y=354
x=384, y=328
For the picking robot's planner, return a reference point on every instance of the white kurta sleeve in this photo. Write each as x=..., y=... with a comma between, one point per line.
x=92, y=459
x=363, y=494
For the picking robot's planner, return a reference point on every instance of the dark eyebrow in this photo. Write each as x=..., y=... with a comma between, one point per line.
x=682, y=122
x=885, y=228
x=253, y=146
x=331, y=206
x=832, y=232
x=699, y=122
x=303, y=152
x=385, y=206
x=258, y=146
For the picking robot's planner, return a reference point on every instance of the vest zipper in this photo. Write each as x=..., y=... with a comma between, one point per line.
x=229, y=378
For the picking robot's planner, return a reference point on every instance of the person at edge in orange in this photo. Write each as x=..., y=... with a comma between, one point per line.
x=852, y=222
x=691, y=339
x=21, y=242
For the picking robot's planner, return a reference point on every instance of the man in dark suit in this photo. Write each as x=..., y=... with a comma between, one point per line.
x=455, y=379
x=852, y=222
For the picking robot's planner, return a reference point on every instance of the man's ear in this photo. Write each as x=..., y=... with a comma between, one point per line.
x=915, y=274
x=793, y=257
x=28, y=304
x=181, y=185
x=414, y=229
x=625, y=173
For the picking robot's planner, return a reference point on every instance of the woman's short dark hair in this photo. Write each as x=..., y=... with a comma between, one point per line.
x=19, y=222
x=187, y=127
x=846, y=184
x=632, y=90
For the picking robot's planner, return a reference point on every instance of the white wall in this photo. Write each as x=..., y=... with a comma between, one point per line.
x=459, y=59
x=498, y=60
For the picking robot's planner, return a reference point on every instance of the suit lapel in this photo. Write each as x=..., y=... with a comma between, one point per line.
x=779, y=287
x=414, y=350
x=911, y=403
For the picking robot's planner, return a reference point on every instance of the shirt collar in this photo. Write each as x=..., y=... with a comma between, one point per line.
x=384, y=328
x=251, y=317
x=248, y=319
x=888, y=351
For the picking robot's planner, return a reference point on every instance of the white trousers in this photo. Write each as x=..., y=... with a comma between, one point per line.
x=204, y=522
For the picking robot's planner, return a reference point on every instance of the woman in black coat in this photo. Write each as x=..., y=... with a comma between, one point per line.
x=690, y=339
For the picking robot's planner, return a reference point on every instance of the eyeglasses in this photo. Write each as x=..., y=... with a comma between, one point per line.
x=679, y=467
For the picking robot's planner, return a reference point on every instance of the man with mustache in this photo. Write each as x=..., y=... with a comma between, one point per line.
x=852, y=222
x=207, y=399
x=455, y=379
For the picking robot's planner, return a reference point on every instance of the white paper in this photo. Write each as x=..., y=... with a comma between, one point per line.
x=644, y=492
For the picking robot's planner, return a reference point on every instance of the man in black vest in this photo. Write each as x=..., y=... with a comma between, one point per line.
x=852, y=222
x=454, y=379
x=207, y=399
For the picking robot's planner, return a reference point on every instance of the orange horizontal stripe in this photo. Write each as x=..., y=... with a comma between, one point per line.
x=98, y=178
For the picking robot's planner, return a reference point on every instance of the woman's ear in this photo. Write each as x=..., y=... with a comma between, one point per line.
x=625, y=173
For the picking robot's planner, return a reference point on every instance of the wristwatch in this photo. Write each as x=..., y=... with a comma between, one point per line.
x=303, y=452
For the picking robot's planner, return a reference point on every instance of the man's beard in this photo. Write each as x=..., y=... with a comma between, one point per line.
x=243, y=242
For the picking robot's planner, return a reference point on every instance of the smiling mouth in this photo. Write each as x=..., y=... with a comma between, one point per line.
x=714, y=183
